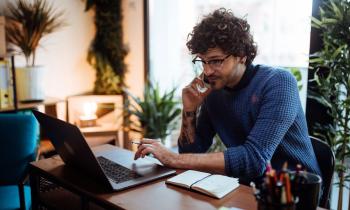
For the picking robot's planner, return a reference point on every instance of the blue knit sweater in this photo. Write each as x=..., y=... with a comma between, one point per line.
x=261, y=121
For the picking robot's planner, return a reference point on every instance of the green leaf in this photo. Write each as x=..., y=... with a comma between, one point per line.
x=336, y=10
x=329, y=20
x=297, y=74
x=321, y=100
x=316, y=60
x=316, y=23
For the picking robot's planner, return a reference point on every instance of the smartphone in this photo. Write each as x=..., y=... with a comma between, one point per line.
x=205, y=79
x=206, y=84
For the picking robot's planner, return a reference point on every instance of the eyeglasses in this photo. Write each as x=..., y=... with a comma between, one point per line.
x=214, y=64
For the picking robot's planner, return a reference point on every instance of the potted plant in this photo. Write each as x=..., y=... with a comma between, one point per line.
x=27, y=23
x=156, y=113
x=331, y=69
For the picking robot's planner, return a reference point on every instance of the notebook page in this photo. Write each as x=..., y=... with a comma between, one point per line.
x=187, y=178
x=216, y=185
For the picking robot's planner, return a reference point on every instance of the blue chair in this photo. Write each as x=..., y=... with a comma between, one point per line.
x=18, y=145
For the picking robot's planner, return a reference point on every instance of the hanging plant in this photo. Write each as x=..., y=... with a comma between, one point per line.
x=107, y=52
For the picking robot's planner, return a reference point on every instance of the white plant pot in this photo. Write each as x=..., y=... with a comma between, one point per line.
x=29, y=83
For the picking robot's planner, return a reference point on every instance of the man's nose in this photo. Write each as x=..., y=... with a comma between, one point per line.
x=208, y=70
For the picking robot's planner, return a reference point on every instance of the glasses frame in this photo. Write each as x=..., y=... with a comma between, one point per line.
x=213, y=63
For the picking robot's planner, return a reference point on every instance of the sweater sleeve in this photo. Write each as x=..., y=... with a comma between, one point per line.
x=204, y=134
x=278, y=107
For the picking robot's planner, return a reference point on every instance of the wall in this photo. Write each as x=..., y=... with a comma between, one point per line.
x=134, y=38
x=63, y=53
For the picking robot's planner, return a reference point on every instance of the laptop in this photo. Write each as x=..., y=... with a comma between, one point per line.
x=115, y=169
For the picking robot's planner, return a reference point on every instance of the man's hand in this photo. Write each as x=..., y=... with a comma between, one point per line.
x=210, y=162
x=159, y=151
x=194, y=94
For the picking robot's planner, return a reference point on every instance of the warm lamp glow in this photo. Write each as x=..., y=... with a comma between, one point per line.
x=89, y=114
x=89, y=110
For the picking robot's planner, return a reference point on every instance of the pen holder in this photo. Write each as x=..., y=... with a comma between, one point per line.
x=307, y=190
x=264, y=205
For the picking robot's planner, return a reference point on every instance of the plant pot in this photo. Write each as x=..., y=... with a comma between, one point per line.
x=167, y=141
x=29, y=83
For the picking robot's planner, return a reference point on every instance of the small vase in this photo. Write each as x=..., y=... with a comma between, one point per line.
x=29, y=83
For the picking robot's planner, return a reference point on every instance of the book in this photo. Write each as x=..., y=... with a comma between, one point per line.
x=214, y=185
x=2, y=37
x=4, y=85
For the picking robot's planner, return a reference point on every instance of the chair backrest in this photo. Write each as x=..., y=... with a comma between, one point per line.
x=326, y=162
x=18, y=142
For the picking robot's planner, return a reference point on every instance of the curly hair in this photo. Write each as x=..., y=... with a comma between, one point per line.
x=223, y=30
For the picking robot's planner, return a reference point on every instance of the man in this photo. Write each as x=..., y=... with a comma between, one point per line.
x=255, y=109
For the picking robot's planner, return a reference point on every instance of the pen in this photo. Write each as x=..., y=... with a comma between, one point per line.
x=139, y=143
x=136, y=142
x=288, y=188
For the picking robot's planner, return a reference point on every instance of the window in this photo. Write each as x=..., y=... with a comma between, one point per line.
x=281, y=30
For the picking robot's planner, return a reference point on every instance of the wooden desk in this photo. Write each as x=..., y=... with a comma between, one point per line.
x=54, y=185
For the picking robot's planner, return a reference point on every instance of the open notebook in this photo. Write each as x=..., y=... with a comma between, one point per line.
x=211, y=184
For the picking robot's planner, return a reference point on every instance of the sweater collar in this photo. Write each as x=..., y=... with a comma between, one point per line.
x=246, y=78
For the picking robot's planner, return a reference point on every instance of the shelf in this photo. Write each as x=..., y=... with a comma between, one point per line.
x=8, y=109
x=33, y=105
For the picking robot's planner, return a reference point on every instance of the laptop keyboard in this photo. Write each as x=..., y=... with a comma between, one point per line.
x=117, y=173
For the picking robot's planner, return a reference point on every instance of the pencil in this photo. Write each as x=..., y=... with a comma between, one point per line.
x=139, y=143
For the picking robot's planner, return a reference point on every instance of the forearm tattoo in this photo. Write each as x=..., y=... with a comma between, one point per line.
x=187, y=128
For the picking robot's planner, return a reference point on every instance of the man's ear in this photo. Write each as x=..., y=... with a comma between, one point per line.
x=242, y=60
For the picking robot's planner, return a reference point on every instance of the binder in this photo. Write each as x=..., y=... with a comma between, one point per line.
x=6, y=91
x=2, y=37
x=4, y=94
